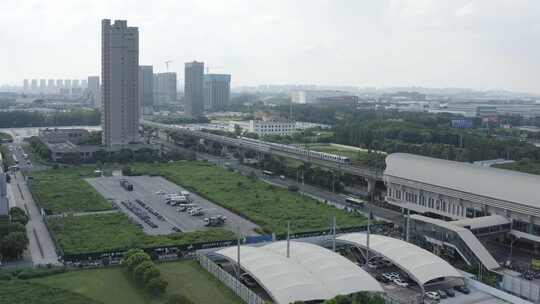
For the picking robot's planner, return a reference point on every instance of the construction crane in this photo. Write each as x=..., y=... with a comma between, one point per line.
x=167, y=64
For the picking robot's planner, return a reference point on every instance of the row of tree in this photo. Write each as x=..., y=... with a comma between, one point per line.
x=429, y=135
x=13, y=239
x=357, y=298
x=144, y=272
x=19, y=119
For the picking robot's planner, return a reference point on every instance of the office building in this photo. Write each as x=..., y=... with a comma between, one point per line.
x=34, y=85
x=84, y=83
x=42, y=85
x=94, y=91
x=50, y=84
x=146, y=89
x=26, y=85
x=67, y=83
x=59, y=84
x=193, y=88
x=217, y=91
x=75, y=83
x=120, y=76
x=164, y=88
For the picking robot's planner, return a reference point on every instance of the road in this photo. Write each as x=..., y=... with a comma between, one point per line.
x=42, y=249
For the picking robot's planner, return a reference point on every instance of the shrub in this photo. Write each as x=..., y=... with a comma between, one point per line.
x=157, y=285
x=178, y=299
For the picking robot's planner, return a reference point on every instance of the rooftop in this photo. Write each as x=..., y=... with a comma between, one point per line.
x=310, y=273
x=483, y=181
x=422, y=265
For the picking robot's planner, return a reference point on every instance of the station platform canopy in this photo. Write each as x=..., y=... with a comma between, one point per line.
x=311, y=272
x=421, y=265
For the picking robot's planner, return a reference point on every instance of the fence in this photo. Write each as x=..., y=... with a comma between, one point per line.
x=237, y=287
x=521, y=287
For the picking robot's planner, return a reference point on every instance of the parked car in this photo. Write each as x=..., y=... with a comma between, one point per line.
x=432, y=295
x=450, y=292
x=382, y=279
x=400, y=283
x=442, y=294
x=463, y=289
x=390, y=276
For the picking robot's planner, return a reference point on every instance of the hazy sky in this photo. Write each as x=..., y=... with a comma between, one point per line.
x=484, y=44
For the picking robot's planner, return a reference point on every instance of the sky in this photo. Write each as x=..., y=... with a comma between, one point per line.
x=479, y=44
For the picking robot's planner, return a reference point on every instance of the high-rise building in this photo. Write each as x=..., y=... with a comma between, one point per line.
x=217, y=91
x=67, y=83
x=94, y=92
x=26, y=85
x=50, y=83
x=34, y=85
x=42, y=84
x=120, y=77
x=165, y=90
x=146, y=88
x=193, y=88
x=75, y=83
x=59, y=84
x=84, y=83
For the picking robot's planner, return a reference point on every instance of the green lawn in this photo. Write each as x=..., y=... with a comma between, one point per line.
x=270, y=207
x=24, y=292
x=103, y=232
x=114, y=286
x=527, y=166
x=65, y=190
x=191, y=280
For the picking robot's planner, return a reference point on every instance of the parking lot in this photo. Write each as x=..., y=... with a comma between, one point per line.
x=152, y=192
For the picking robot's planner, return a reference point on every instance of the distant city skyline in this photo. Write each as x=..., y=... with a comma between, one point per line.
x=483, y=45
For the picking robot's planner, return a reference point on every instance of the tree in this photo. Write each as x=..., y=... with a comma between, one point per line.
x=157, y=285
x=13, y=244
x=135, y=259
x=139, y=271
x=18, y=215
x=150, y=273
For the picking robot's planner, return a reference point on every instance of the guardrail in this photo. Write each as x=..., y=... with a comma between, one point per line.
x=230, y=281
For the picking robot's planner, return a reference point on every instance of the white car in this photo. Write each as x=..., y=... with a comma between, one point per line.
x=432, y=295
x=160, y=192
x=391, y=276
x=400, y=282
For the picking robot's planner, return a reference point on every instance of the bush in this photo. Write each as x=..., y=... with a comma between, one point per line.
x=140, y=270
x=135, y=260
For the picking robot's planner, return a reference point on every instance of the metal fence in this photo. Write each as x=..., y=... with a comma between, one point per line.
x=523, y=288
x=236, y=286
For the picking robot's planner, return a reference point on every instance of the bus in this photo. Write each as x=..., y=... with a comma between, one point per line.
x=354, y=201
x=268, y=173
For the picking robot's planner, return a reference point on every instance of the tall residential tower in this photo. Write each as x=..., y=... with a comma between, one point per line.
x=217, y=91
x=146, y=89
x=120, y=79
x=193, y=88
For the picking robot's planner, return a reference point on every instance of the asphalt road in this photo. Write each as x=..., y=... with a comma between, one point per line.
x=41, y=248
x=145, y=188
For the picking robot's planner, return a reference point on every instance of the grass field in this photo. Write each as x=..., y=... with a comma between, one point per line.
x=103, y=232
x=270, y=207
x=113, y=285
x=64, y=190
x=527, y=166
x=24, y=292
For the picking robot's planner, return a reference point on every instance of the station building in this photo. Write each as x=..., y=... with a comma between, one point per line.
x=482, y=200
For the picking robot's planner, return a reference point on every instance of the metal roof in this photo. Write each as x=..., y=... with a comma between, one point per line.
x=483, y=181
x=421, y=265
x=310, y=273
x=482, y=222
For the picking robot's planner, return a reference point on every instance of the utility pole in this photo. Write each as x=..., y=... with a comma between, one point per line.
x=334, y=234
x=238, y=254
x=408, y=223
x=288, y=239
